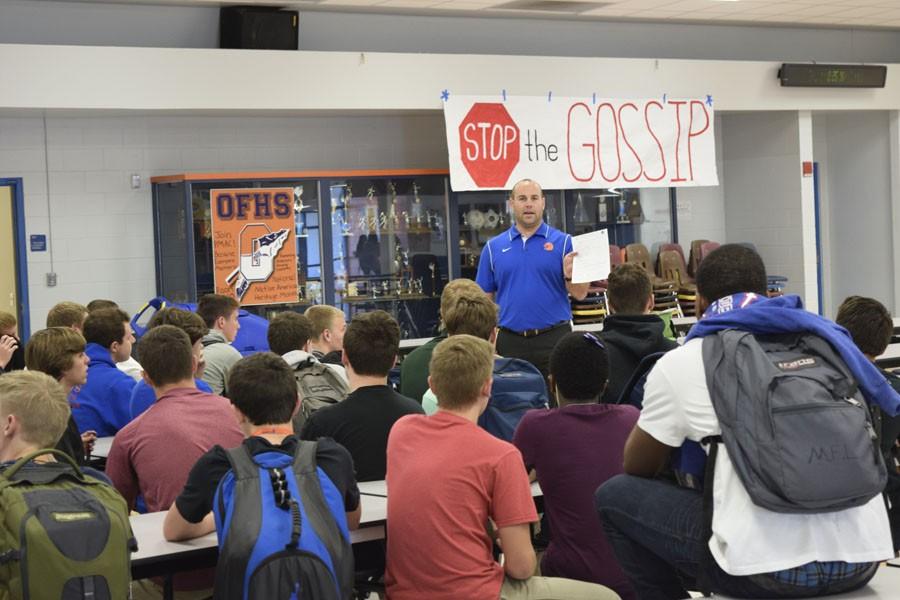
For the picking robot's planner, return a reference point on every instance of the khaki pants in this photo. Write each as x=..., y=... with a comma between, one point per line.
x=554, y=588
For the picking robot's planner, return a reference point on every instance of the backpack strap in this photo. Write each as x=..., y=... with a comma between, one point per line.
x=320, y=516
x=45, y=476
x=707, y=562
x=246, y=510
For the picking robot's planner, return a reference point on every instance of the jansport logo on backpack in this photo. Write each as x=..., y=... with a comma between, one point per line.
x=282, y=529
x=800, y=437
x=319, y=386
x=63, y=535
x=517, y=387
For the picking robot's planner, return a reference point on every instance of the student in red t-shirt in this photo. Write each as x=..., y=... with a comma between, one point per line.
x=438, y=545
x=574, y=449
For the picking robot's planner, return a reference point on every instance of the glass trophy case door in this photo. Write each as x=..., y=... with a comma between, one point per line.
x=175, y=273
x=200, y=238
x=389, y=247
x=483, y=215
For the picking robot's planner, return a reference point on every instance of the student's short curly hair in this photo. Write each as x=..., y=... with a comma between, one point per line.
x=869, y=323
x=579, y=365
x=731, y=269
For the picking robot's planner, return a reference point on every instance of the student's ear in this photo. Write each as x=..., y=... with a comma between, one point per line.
x=305, y=347
x=10, y=425
x=702, y=305
x=493, y=338
x=651, y=302
x=297, y=405
x=114, y=347
x=396, y=360
x=609, y=306
x=345, y=361
x=241, y=417
x=147, y=379
x=220, y=322
x=551, y=383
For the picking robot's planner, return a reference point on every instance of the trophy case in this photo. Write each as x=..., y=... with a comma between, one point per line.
x=364, y=240
x=390, y=247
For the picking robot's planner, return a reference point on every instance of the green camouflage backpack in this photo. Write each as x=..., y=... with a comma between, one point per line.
x=63, y=536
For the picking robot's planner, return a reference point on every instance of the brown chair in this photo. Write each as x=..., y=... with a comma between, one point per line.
x=615, y=256
x=638, y=254
x=672, y=267
x=705, y=250
x=694, y=258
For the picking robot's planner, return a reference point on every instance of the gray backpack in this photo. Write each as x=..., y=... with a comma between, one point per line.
x=319, y=385
x=795, y=425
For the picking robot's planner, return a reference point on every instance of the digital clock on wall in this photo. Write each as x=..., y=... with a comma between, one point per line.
x=851, y=76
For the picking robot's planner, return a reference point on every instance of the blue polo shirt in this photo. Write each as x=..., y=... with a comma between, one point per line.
x=527, y=277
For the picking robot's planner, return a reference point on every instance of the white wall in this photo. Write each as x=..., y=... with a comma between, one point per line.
x=852, y=150
x=100, y=230
x=701, y=210
x=762, y=190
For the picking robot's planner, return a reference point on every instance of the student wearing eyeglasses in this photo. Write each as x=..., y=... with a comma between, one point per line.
x=574, y=449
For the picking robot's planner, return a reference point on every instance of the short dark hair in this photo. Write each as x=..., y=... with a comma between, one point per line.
x=105, y=326
x=629, y=289
x=166, y=355
x=262, y=387
x=190, y=323
x=100, y=304
x=869, y=323
x=473, y=314
x=372, y=343
x=731, y=269
x=288, y=331
x=579, y=365
x=213, y=306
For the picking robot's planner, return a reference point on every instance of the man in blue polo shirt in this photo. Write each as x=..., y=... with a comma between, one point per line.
x=528, y=270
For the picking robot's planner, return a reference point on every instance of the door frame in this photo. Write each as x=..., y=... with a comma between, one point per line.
x=21, y=254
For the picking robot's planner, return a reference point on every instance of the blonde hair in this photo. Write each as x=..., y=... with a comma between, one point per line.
x=460, y=366
x=67, y=314
x=453, y=290
x=53, y=350
x=473, y=314
x=39, y=403
x=321, y=317
x=7, y=320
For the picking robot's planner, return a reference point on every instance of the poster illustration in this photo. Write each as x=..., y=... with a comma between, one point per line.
x=254, y=244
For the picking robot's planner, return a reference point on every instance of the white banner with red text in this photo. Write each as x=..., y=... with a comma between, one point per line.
x=568, y=143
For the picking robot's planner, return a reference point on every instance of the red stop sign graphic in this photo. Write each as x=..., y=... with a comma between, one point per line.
x=489, y=144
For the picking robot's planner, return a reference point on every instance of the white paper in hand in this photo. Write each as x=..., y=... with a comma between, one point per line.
x=592, y=261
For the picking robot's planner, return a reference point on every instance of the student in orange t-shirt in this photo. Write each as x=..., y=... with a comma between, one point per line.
x=438, y=546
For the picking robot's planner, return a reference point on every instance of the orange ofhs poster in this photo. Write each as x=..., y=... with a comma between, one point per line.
x=254, y=244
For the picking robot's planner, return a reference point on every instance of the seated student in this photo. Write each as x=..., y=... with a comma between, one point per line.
x=871, y=327
x=67, y=314
x=142, y=396
x=153, y=454
x=290, y=335
x=102, y=403
x=574, y=449
x=59, y=352
x=361, y=422
x=264, y=397
x=438, y=545
x=12, y=351
x=131, y=366
x=414, y=368
x=326, y=340
x=631, y=331
x=656, y=528
x=220, y=314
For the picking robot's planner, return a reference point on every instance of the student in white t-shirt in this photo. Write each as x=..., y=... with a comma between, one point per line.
x=656, y=528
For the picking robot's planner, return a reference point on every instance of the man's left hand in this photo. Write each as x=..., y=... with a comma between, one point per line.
x=568, y=261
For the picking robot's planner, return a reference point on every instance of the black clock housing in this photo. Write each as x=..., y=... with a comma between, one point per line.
x=841, y=76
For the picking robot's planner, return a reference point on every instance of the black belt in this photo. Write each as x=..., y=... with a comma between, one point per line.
x=528, y=333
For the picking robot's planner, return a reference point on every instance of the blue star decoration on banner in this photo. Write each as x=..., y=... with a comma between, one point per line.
x=445, y=95
x=708, y=100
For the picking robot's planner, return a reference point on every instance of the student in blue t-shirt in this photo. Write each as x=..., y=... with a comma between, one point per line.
x=528, y=272
x=192, y=324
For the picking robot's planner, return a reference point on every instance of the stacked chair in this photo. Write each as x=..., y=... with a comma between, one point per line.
x=671, y=267
x=593, y=309
x=665, y=290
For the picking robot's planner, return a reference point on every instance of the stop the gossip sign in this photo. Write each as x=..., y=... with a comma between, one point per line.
x=569, y=143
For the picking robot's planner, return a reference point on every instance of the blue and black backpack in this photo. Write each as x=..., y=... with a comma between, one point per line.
x=282, y=529
x=518, y=387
